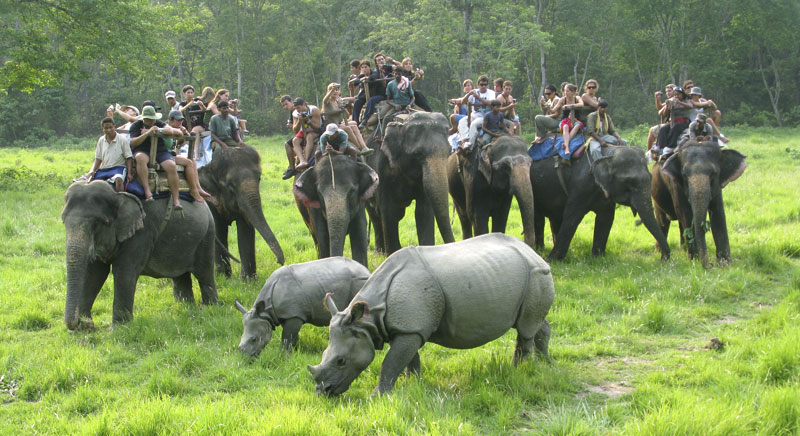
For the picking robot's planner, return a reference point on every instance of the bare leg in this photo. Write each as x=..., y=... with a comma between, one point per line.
x=141, y=174
x=651, y=137
x=310, y=137
x=565, y=133
x=716, y=130
x=290, y=156
x=362, y=145
x=172, y=180
x=717, y=117
x=118, y=184
x=297, y=146
x=453, y=124
x=190, y=170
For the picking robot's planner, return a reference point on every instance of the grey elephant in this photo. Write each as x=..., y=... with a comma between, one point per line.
x=412, y=165
x=105, y=228
x=566, y=194
x=459, y=295
x=333, y=193
x=293, y=295
x=482, y=187
x=232, y=178
x=688, y=187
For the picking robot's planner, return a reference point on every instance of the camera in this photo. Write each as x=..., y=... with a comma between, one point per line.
x=235, y=101
x=304, y=114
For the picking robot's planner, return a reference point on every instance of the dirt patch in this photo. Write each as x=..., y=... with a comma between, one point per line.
x=728, y=319
x=609, y=389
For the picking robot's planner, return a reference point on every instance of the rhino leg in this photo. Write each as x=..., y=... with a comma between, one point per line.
x=414, y=366
x=291, y=331
x=403, y=349
x=523, y=349
x=542, y=340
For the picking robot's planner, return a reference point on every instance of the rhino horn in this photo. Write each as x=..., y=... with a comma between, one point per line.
x=313, y=370
x=239, y=306
x=329, y=304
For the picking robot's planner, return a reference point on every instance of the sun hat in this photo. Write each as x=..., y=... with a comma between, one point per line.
x=126, y=107
x=331, y=128
x=696, y=91
x=149, y=112
x=169, y=94
x=176, y=115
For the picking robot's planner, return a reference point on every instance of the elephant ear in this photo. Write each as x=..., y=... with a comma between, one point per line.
x=732, y=166
x=130, y=216
x=484, y=164
x=672, y=168
x=367, y=182
x=604, y=174
x=305, y=189
x=393, y=142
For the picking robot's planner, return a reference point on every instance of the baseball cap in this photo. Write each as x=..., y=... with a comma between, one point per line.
x=331, y=128
x=176, y=115
x=169, y=94
x=151, y=103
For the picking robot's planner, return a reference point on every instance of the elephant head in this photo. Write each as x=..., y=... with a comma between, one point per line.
x=233, y=177
x=698, y=172
x=624, y=179
x=339, y=187
x=97, y=220
x=420, y=145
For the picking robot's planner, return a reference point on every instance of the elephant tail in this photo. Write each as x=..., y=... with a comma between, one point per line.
x=225, y=250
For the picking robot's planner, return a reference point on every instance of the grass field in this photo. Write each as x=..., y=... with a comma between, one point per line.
x=628, y=338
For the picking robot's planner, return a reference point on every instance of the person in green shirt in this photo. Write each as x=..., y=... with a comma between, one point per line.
x=601, y=131
x=224, y=129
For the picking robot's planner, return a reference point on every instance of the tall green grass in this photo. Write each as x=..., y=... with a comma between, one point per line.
x=628, y=344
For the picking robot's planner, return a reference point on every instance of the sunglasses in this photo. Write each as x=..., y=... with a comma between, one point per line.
x=483, y=84
x=591, y=87
x=548, y=93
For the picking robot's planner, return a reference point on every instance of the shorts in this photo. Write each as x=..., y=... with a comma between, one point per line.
x=569, y=122
x=300, y=135
x=459, y=117
x=516, y=118
x=160, y=156
x=111, y=174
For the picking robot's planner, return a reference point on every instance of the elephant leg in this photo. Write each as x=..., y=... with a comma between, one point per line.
x=538, y=230
x=572, y=218
x=246, y=236
x=96, y=275
x=124, y=291
x=182, y=288
x=359, y=239
x=402, y=350
x=203, y=270
x=481, y=218
x=602, y=227
x=223, y=263
x=719, y=229
x=290, y=334
x=377, y=226
x=391, y=214
x=663, y=220
x=423, y=214
x=500, y=215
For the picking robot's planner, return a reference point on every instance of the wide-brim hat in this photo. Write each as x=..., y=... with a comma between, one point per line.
x=126, y=107
x=149, y=112
x=696, y=91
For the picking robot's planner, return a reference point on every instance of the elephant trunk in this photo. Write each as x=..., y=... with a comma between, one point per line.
x=79, y=248
x=523, y=191
x=699, y=198
x=250, y=202
x=338, y=215
x=644, y=207
x=434, y=180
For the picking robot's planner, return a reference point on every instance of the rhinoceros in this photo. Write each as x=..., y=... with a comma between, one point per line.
x=293, y=295
x=458, y=295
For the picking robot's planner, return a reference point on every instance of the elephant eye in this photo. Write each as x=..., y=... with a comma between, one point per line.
x=341, y=361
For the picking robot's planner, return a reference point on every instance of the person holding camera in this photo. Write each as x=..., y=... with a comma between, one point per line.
x=416, y=74
x=307, y=124
x=193, y=109
x=377, y=84
x=508, y=106
x=481, y=100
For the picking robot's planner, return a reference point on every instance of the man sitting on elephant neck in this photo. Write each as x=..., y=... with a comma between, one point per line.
x=699, y=130
x=150, y=124
x=113, y=160
x=224, y=128
x=494, y=124
x=601, y=129
x=334, y=140
x=399, y=95
x=307, y=122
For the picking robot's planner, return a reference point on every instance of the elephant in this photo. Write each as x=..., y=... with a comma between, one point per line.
x=619, y=177
x=333, y=193
x=411, y=163
x=106, y=228
x=232, y=178
x=688, y=187
x=482, y=187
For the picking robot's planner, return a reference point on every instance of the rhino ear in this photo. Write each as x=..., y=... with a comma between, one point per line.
x=358, y=310
x=329, y=304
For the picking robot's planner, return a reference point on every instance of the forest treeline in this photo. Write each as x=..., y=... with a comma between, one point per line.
x=64, y=61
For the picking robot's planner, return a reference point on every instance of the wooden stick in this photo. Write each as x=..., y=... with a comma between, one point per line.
x=333, y=178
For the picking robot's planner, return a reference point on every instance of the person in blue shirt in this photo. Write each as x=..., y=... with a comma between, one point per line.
x=334, y=140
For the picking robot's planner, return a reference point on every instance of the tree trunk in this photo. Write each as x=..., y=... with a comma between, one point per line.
x=774, y=95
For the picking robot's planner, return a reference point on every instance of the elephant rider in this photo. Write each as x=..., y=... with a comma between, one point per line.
x=193, y=109
x=600, y=128
x=149, y=124
x=699, y=130
x=334, y=140
x=508, y=106
x=224, y=128
x=288, y=104
x=494, y=125
x=307, y=123
x=679, y=108
x=175, y=120
x=113, y=160
x=480, y=99
x=399, y=96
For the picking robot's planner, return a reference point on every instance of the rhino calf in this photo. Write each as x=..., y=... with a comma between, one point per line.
x=293, y=295
x=457, y=295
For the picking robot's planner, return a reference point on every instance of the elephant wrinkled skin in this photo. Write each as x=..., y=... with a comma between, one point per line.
x=412, y=166
x=483, y=188
x=334, y=204
x=688, y=187
x=105, y=228
x=233, y=178
x=619, y=177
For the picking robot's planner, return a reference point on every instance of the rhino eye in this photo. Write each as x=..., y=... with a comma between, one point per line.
x=341, y=361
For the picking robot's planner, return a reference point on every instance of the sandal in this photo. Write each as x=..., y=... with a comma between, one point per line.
x=149, y=199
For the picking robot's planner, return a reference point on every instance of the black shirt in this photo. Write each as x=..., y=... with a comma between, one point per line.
x=135, y=131
x=376, y=87
x=194, y=119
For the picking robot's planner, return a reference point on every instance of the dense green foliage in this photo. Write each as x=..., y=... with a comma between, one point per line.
x=628, y=331
x=745, y=55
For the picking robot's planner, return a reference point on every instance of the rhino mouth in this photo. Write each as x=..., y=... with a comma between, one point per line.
x=331, y=389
